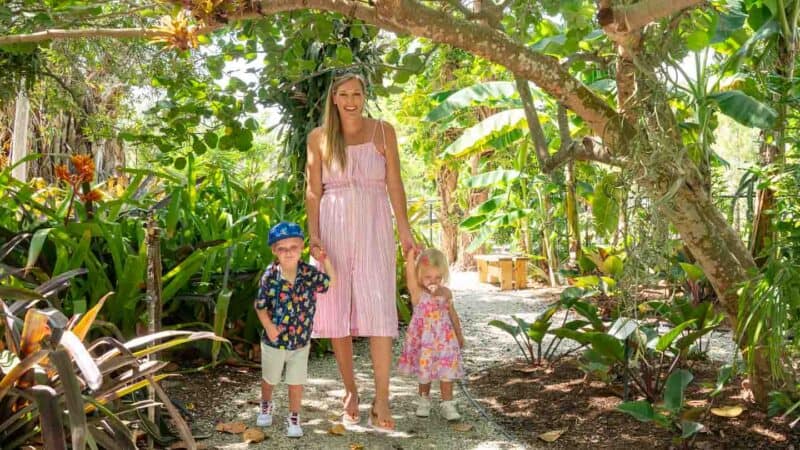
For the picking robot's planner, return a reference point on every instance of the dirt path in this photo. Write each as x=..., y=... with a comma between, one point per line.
x=477, y=304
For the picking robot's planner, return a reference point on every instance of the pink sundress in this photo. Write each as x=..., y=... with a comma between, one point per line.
x=356, y=229
x=431, y=351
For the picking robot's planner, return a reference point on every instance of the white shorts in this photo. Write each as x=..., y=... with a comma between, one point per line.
x=273, y=361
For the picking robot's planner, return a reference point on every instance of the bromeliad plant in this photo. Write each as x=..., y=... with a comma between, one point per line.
x=56, y=384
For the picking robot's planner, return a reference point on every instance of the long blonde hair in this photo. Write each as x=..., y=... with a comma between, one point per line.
x=333, y=146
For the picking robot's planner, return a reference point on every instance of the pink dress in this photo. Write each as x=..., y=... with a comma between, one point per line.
x=355, y=222
x=431, y=351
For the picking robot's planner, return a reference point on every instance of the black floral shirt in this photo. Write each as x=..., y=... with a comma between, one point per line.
x=291, y=305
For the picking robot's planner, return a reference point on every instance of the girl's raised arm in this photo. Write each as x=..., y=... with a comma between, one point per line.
x=411, y=275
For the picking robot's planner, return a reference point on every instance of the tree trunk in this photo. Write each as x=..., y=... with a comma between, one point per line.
x=19, y=147
x=720, y=253
x=446, y=182
x=476, y=197
x=573, y=226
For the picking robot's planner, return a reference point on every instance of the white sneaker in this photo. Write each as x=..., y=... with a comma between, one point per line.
x=449, y=410
x=264, y=418
x=293, y=428
x=423, y=406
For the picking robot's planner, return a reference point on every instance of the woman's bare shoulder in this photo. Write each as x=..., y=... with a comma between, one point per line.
x=316, y=133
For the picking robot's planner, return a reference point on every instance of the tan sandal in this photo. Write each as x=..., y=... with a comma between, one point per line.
x=350, y=419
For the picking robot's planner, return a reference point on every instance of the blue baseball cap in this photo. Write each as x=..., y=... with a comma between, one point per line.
x=285, y=230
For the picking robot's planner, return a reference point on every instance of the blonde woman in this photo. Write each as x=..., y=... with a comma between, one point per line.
x=353, y=176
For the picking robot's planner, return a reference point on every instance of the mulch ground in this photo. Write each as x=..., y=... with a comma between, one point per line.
x=529, y=401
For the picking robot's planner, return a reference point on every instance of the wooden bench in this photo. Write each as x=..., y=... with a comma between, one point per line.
x=508, y=270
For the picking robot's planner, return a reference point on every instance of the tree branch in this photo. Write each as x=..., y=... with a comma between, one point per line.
x=586, y=150
x=632, y=17
x=414, y=17
x=48, y=35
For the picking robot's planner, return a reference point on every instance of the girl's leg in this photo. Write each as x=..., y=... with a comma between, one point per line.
x=381, y=352
x=446, y=388
x=295, y=397
x=343, y=350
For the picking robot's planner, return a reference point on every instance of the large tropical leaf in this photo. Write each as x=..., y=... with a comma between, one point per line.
x=477, y=94
x=477, y=136
x=745, y=109
x=674, y=389
x=492, y=178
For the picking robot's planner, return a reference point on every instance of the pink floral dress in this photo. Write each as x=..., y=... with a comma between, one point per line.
x=431, y=350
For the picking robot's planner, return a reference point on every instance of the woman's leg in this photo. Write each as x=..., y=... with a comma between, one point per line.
x=381, y=352
x=343, y=350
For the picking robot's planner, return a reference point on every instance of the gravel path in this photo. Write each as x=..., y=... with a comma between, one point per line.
x=485, y=346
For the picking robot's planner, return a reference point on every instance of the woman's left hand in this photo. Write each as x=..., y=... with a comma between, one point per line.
x=409, y=244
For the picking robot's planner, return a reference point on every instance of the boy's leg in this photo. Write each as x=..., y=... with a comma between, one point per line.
x=296, y=377
x=272, y=361
x=295, y=397
x=266, y=391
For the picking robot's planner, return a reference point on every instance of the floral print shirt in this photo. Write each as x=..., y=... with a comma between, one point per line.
x=291, y=305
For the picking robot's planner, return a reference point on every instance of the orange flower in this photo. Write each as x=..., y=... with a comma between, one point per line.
x=62, y=173
x=84, y=165
x=92, y=196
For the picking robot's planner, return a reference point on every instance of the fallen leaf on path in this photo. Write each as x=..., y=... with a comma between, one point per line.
x=337, y=430
x=462, y=427
x=231, y=427
x=552, y=436
x=224, y=379
x=356, y=447
x=253, y=435
x=727, y=411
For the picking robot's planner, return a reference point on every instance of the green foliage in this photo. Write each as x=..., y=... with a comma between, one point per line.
x=92, y=382
x=668, y=414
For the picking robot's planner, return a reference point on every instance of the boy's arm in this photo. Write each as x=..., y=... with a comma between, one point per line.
x=411, y=276
x=328, y=266
x=266, y=321
x=262, y=310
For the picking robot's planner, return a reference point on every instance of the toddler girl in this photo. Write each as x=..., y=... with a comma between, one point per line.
x=432, y=349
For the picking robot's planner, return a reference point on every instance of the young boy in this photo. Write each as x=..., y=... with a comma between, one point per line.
x=285, y=306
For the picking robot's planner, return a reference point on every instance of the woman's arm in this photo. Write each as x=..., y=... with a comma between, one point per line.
x=394, y=184
x=313, y=184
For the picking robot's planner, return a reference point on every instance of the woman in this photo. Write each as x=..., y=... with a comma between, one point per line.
x=352, y=164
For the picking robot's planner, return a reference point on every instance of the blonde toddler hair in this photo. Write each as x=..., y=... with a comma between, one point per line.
x=434, y=257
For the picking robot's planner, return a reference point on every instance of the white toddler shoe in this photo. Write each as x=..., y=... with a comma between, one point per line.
x=449, y=410
x=264, y=418
x=423, y=406
x=293, y=428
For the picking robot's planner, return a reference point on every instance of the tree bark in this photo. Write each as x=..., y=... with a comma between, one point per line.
x=446, y=183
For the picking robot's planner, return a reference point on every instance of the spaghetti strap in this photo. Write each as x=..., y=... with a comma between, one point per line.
x=383, y=137
x=374, y=131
